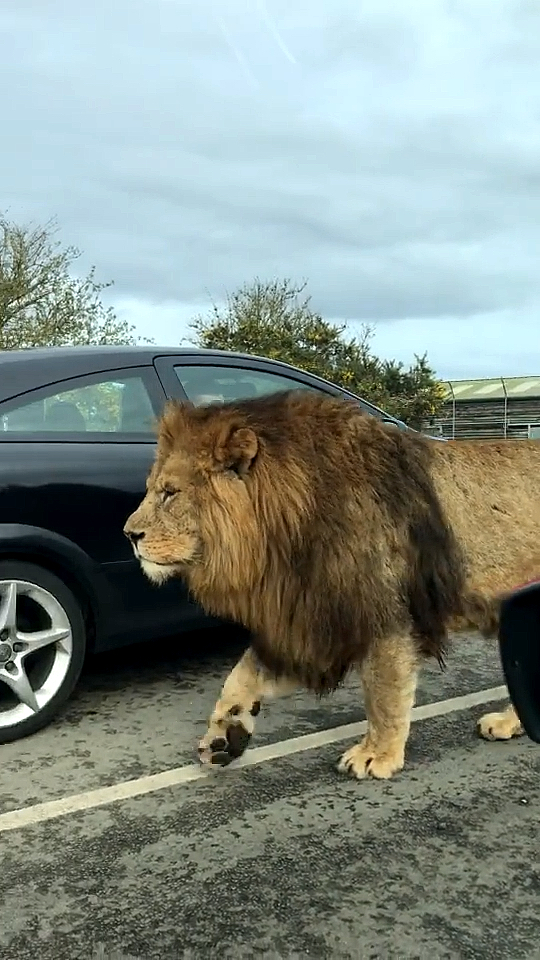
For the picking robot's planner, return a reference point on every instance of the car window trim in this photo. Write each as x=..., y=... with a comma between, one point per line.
x=145, y=372
x=173, y=387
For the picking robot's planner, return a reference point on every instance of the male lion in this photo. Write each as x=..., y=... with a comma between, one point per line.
x=339, y=542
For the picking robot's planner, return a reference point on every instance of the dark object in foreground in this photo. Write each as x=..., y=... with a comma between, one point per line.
x=519, y=645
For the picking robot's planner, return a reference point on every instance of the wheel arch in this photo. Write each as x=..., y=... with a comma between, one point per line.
x=63, y=558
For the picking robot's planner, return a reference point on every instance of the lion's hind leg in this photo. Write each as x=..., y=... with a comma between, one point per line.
x=502, y=725
x=389, y=677
x=232, y=721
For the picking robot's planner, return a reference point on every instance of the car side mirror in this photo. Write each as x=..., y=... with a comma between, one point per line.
x=519, y=647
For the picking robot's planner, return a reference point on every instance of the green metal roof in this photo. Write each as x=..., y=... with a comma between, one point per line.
x=493, y=389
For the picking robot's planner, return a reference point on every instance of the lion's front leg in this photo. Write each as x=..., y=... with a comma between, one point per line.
x=233, y=719
x=389, y=676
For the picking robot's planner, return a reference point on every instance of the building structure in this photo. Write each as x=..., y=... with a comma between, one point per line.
x=502, y=407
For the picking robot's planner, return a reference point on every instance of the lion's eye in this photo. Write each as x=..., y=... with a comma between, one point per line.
x=167, y=493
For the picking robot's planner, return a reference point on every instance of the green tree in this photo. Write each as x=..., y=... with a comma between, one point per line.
x=41, y=302
x=275, y=319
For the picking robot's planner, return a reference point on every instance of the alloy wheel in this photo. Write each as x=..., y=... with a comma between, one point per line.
x=36, y=648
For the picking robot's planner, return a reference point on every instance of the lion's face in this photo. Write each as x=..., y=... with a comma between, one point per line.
x=196, y=495
x=164, y=531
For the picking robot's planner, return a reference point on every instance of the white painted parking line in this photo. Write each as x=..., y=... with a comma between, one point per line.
x=129, y=789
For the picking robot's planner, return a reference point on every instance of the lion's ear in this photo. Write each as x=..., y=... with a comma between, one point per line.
x=170, y=427
x=236, y=449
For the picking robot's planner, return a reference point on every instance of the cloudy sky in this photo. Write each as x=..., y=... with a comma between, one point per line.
x=386, y=152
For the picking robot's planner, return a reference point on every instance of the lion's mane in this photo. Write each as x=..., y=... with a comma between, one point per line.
x=338, y=539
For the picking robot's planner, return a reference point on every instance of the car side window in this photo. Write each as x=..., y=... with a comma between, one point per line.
x=209, y=384
x=110, y=405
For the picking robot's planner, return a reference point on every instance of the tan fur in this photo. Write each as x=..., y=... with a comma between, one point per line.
x=500, y=726
x=491, y=494
x=341, y=544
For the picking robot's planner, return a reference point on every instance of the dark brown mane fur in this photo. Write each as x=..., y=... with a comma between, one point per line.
x=356, y=543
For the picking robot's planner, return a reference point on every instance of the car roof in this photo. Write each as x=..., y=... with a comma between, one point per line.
x=22, y=370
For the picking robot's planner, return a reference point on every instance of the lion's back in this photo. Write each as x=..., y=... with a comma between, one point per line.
x=491, y=494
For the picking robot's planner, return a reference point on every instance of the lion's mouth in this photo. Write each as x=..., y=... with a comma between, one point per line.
x=158, y=563
x=164, y=564
x=177, y=564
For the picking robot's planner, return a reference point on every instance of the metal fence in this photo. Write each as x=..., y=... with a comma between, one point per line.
x=484, y=419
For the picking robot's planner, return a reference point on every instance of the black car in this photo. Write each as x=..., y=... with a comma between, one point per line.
x=76, y=443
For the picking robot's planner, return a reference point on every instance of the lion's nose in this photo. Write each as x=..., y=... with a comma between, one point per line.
x=134, y=535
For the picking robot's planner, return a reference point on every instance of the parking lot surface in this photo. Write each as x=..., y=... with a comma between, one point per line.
x=281, y=857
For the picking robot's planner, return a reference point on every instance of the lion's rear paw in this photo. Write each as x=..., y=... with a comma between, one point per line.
x=502, y=725
x=226, y=739
x=363, y=761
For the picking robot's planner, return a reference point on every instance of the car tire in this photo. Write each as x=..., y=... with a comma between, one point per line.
x=42, y=647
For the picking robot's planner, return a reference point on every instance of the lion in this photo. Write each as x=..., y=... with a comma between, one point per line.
x=341, y=543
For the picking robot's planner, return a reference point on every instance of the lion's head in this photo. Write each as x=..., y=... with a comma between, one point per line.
x=203, y=515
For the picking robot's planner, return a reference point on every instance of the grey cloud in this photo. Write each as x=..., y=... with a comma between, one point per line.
x=388, y=154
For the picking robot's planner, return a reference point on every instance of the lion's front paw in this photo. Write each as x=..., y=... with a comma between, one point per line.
x=363, y=760
x=502, y=725
x=227, y=738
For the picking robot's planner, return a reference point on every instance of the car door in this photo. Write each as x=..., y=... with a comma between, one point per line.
x=76, y=456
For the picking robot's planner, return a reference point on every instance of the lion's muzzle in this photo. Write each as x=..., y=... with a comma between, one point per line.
x=134, y=536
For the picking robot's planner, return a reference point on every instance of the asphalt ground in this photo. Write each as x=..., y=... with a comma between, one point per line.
x=114, y=844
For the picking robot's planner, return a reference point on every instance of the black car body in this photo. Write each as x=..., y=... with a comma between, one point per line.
x=519, y=646
x=76, y=443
